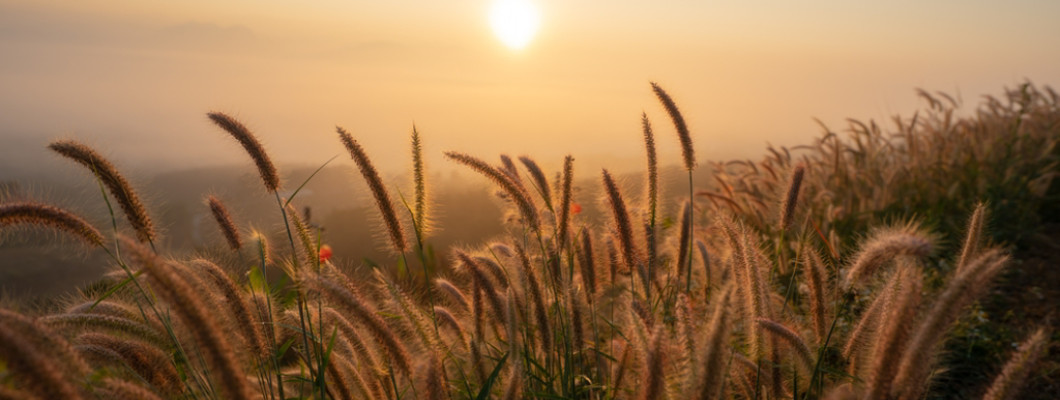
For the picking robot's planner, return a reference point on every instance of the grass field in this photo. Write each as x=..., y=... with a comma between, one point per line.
x=909, y=259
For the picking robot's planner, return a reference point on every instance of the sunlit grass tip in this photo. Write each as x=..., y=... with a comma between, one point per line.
x=119, y=187
x=687, y=153
x=375, y=184
x=224, y=221
x=269, y=177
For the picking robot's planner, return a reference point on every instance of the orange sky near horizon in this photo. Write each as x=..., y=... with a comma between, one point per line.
x=136, y=78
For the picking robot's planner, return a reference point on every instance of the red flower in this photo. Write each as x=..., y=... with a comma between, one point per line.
x=575, y=208
x=325, y=253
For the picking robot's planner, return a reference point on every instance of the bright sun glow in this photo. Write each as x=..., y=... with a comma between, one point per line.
x=514, y=22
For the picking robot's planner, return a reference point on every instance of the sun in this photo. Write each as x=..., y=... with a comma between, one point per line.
x=514, y=22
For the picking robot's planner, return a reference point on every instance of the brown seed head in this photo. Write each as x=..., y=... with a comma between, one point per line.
x=269, y=177
x=679, y=123
x=45, y=215
x=375, y=183
x=130, y=203
x=224, y=221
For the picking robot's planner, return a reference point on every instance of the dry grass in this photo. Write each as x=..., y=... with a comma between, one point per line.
x=549, y=312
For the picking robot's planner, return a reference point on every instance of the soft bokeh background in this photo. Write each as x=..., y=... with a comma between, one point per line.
x=136, y=77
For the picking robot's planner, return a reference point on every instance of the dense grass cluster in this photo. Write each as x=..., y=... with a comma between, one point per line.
x=768, y=285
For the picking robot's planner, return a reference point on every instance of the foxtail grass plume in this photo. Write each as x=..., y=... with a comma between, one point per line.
x=189, y=306
x=114, y=388
x=891, y=340
x=565, y=200
x=973, y=236
x=587, y=262
x=1007, y=385
x=817, y=283
x=539, y=179
x=529, y=276
x=375, y=183
x=150, y=362
x=883, y=246
x=421, y=222
x=787, y=210
x=269, y=177
x=960, y=291
x=119, y=188
x=687, y=153
x=623, y=226
x=355, y=306
x=37, y=369
x=654, y=371
x=684, y=241
x=508, y=184
x=50, y=216
x=653, y=168
x=713, y=357
x=787, y=335
x=508, y=167
x=224, y=221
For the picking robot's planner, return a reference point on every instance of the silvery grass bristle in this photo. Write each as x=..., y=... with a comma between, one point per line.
x=269, y=177
x=791, y=338
x=119, y=188
x=515, y=191
x=49, y=216
x=224, y=221
x=375, y=183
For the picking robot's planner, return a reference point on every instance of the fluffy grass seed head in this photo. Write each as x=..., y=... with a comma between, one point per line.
x=268, y=173
x=119, y=188
x=224, y=221
x=375, y=183
x=687, y=153
x=884, y=245
x=50, y=216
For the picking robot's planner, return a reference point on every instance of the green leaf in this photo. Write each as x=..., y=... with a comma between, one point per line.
x=484, y=393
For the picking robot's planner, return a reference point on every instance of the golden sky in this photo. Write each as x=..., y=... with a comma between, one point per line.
x=136, y=77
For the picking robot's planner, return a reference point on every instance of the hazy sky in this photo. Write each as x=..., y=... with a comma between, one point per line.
x=135, y=78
